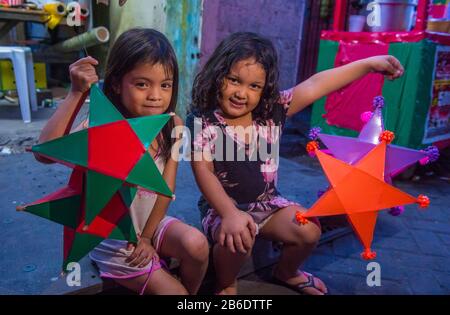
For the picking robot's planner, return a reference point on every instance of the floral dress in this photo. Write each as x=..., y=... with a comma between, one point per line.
x=248, y=172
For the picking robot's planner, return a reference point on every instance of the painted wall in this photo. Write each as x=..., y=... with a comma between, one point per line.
x=183, y=27
x=279, y=20
x=136, y=13
x=180, y=21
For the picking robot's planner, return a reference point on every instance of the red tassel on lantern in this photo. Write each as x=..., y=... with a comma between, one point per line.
x=368, y=254
x=387, y=136
x=423, y=201
x=311, y=148
x=300, y=218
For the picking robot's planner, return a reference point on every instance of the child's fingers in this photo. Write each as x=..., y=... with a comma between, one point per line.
x=390, y=69
x=84, y=67
x=131, y=257
x=92, y=79
x=252, y=227
x=145, y=262
x=222, y=238
x=238, y=244
x=82, y=72
x=83, y=76
x=147, y=258
x=247, y=240
x=81, y=65
x=139, y=258
x=130, y=246
x=394, y=61
x=86, y=60
x=230, y=244
x=137, y=261
x=134, y=254
x=396, y=70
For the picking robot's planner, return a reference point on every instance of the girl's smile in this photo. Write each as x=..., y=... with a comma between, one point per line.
x=236, y=103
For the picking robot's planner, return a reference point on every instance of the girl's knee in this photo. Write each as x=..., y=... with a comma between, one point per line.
x=196, y=246
x=308, y=234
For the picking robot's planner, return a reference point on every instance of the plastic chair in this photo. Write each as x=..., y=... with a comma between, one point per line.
x=22, y=60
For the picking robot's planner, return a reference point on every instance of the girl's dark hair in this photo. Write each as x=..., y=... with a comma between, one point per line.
x=132, y=48
x=234, y=48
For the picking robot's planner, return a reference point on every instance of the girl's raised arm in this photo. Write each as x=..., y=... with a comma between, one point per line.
x=325, y=82
x=82, y=75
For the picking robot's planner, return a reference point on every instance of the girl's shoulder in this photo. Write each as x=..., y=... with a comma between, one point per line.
x=204, y=119
x=278, y=112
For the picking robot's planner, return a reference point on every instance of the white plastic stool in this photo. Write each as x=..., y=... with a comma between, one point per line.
x=22, y=61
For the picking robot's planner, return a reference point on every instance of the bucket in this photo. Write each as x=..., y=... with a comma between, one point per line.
x=389, y=15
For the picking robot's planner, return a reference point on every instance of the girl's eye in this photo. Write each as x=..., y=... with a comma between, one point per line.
x=255, y=86
x=166, y=86
x=141, y=85
x=233, y=80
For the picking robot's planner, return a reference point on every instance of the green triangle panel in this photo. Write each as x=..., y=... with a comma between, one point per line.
x=64, y=211
x=146, y=174
x=127, y=193
x=99, y=191
x=71, y=148
x=81, y=246
x=148, y=127
x=101, y=110
x=124, y=230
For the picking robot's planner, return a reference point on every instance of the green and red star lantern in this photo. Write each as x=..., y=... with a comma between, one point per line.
x=113, y=150
x=108, y=158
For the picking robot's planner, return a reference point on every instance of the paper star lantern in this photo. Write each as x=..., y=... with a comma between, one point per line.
x=359, y=191
x=66, y=207
x=351, y=150
x=113, y=150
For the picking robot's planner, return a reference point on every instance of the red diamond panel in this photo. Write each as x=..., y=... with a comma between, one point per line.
x=114, y=149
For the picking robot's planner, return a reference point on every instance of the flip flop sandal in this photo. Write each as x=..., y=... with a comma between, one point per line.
x=300, y=286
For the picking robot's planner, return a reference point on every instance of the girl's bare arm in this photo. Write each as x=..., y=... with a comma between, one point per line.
x=82, y=75
x=325, y=82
